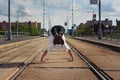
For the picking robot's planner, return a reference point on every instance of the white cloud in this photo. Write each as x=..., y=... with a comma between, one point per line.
x=3, y=8
x=116, y=5
x=59, y=16
x=32, y=9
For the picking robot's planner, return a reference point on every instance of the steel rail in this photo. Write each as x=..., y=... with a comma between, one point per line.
x=28, y=61
x=23, y=65
x=95, y=69
x=13, y=57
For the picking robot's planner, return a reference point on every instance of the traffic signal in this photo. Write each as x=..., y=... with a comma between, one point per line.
x=94, y=17
x=94, y=2
x=65, y=23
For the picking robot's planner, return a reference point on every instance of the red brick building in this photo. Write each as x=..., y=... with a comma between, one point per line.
x=4, y=25
x=106, y=23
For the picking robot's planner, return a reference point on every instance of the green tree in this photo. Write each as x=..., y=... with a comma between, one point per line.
x=117, y=27
x=80, y=31
x=88, y=30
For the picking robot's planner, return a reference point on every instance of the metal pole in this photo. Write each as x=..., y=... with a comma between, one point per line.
x=72, y=16
x=100, y=30
x=67, y=22
x=49, y=20
x=43, y=15
x=17, y=23
x=9, y=27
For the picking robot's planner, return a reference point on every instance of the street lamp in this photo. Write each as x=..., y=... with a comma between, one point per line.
x=9, y=22
x=43, y=15
x=100, y=30
x=72, y=17
x=67, y=21
x=49, y=23
x=99, y=7
x=17, y=23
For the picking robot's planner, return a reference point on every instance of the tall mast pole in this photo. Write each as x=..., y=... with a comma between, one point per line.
x=43, y=15
x=72, y=12
x=9, y=27
x=17, y=22
x=72, y=16
x=100, y=30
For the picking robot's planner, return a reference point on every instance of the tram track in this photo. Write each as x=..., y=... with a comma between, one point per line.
x=30, y=51
x=11, y=46
x=103, y=59
x=113, y=47
x=23, y=49
x=100, y=74
x=27, y=62
x=91, y=65
x=13, y=50
x=85, y=65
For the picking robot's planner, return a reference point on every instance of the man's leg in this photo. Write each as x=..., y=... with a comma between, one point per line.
x=70, y=53
x=44, y=54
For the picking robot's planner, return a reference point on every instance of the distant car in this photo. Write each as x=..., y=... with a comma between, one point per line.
x=44, y=34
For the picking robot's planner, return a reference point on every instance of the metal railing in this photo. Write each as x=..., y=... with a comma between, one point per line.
x=107, y=34
x=112, y=35
x=4, y=34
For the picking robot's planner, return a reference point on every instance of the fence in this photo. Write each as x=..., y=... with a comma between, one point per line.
x=112, y=35
x=107, y=34
x=4, y=34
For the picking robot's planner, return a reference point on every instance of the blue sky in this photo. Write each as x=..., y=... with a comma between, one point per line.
x=59, y=10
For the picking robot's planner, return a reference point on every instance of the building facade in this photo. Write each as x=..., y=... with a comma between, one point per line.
x=4, y=25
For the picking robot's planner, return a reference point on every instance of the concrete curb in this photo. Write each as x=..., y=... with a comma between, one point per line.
x=104, y=44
